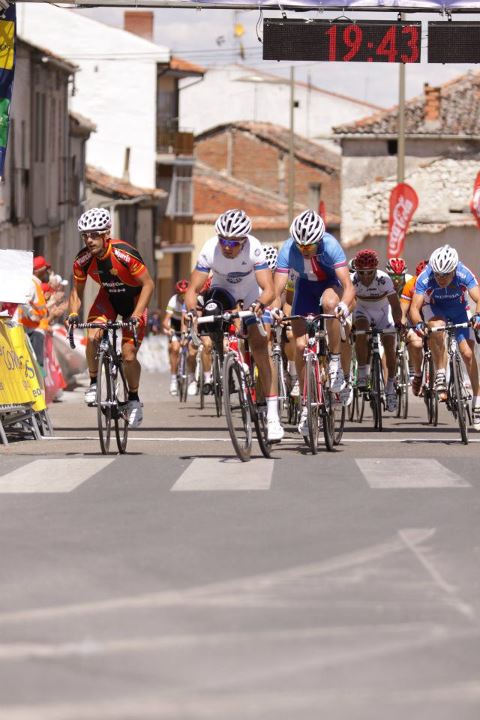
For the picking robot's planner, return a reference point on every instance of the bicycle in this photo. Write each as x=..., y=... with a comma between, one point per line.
x=112, y=389
x=375, y=394
x=458, y=397
x=323, y=410
x=242, y=395
x=356, y=408
x=429, y=393
x=402, y=378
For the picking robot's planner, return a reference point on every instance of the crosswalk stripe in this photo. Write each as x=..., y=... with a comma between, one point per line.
x=55, y=475
x=394, y=473
x=220, y=474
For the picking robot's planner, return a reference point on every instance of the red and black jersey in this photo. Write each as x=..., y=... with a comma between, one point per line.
x=117, y=272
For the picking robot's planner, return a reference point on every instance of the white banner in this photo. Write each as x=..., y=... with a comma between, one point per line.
x=16, y=270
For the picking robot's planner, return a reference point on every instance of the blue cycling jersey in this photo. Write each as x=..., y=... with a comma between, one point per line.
x=319, y=268
x=452, y=296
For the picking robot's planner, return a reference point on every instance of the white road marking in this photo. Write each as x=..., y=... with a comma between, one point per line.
x=226, y=592
x=423, y=555
x=286, y=441
x=52, y=475
x=230, y=474
x=392, y=473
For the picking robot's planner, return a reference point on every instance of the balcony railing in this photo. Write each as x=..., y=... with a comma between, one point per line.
x=174, y=142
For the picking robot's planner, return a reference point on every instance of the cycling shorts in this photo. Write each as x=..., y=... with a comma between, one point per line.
x=453, y=314
x=308, y=295
x=103, y=310
x=380, y=316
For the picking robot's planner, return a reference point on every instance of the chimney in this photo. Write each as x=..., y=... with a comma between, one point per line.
x=139, y=23
x=432, y=103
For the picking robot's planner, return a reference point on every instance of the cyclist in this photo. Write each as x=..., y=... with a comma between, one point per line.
x=377, y=304
x=414, y=342
x=321, y=277
x=125, y=289
x=445, y=282
x=172, y=326
x=237, y=262
x=396, y=269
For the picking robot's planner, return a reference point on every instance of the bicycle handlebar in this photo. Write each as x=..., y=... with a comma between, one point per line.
x=109, y=325
x=226, y=316
x=313, y=318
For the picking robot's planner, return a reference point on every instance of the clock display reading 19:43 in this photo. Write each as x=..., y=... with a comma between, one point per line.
x=342, y=41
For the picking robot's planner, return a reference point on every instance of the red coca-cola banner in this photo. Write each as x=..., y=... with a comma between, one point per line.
x=403, y=203
x=475, y=201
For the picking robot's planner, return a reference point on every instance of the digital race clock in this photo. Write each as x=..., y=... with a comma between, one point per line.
x=342, y=41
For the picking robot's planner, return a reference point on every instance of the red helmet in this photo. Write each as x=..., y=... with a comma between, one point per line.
x=182, y=286
x=366, y=260
x=421, y=267
x=396, y=266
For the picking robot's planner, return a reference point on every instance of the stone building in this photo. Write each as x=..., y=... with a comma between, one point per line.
x=442, y=160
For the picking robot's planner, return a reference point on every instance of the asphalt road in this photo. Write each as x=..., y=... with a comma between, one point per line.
x=177, y=583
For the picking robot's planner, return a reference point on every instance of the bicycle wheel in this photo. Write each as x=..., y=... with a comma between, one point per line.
x=339, y=416
x=217, y=382
x=376, y=392
x=459, y=401
x=328, y=413
x=281, y=387
x=120, y=412
x=429, y=395
x=237, y=407
x=313, y=408
x=199, y=378
x=402, y=379
x=182, y=376
x=104, y=402
x=259, y=414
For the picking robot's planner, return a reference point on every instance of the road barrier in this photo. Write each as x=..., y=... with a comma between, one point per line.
x=22, y=396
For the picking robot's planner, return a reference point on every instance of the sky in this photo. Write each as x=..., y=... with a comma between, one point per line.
x=206, y=38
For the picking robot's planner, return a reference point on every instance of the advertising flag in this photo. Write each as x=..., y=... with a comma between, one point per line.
x=7, y=68
x=475, y=201
x=403, y=203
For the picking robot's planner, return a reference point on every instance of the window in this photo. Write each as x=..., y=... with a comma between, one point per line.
x=314, y=195
x=392, y=147
x=180, y=201
x=40, y=125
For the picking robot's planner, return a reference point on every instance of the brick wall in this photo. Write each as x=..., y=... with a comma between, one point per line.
x=264, y=165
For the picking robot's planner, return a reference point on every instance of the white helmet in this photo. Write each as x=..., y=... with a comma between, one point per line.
x=95, y=219
x=307, y=228
x=271, y=254
x=233, y=224
x=443, y=260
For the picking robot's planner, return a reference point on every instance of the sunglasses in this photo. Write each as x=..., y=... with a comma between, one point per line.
x=227, y=243
x=366, y=272
x=442, y=275
x=395, y=276
x=93, y=234
x=307, y=248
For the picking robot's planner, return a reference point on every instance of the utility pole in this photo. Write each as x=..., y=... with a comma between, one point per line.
x=291, y=156
x=401, y=121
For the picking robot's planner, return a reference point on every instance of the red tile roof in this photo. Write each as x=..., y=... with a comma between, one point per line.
x=116, y=186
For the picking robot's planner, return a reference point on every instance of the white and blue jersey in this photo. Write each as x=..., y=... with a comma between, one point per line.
x=311, y=275
x=451, y=302
x=236, y=275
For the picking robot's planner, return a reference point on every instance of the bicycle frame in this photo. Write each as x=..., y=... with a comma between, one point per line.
x=111, y=383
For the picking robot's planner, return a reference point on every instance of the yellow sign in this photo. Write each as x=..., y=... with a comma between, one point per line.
x=18, y=381
x=7, y=34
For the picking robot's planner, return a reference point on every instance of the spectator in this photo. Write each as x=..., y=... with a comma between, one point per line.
x=154, y=323
x=33, y=315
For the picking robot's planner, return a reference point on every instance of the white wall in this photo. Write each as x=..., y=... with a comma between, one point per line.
x=222, y=97
x=115, y=87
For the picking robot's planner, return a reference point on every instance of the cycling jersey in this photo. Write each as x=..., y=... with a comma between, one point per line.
x=408, y=290
x=117, y=272
x=237, y=275
x=378, y=290
x=319, y=268
x=444, y=298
